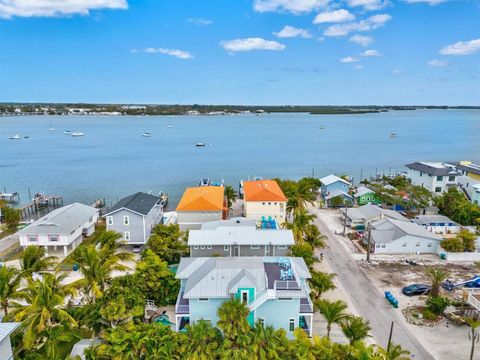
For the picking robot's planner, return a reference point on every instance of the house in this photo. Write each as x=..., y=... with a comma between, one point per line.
x=63, y=227
x=263, y=199
x=5, y=346
x=240, y=237
x=333, y=187
x=359, y=218
x=135, y=216
x=434, y=176
x=469, y=180
x=437, y=224
x=199, y=205
x=364, y=196
x=391, y=236
x=275, y=290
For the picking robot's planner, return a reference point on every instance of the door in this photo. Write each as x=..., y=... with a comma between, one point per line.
x=236, y=250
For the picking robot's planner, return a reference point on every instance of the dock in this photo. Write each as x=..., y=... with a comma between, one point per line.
x=41, y=202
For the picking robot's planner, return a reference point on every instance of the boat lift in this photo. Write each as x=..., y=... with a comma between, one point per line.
x=470, y=283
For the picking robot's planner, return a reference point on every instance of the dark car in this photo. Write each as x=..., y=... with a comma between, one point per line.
x=416, y=289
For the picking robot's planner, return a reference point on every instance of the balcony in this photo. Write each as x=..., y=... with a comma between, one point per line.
x=183, y=305
x=306, y=306
x=472, y=297
x=273, y=272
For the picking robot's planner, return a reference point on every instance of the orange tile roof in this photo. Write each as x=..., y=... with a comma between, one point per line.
x=204, y=198
x=263, y=190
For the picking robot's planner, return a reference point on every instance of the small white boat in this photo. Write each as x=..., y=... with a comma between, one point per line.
x=67, y=132
x=169, y=125
x=52, y=129
x=15, y=137
x=147, y=134
x=77, y=134
x=200, y=144
x=393, y=135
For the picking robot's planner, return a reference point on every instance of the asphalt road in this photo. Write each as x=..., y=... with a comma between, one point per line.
x=8, y=242
x=368, y=301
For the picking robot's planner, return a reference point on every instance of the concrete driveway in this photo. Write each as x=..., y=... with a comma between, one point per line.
x=366, y=299
x=8, y=242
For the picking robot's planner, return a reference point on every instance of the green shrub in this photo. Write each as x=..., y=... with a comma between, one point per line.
x=437, y=304
x=428, y=314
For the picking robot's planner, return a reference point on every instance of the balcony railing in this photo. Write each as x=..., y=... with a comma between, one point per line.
x=473, y=297
x=183, y=305
x=286, y=285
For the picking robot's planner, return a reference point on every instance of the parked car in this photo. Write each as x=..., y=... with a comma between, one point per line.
x=416, y=289
x=137, y=249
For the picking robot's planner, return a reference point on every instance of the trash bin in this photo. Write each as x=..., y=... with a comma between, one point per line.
x=443, y=256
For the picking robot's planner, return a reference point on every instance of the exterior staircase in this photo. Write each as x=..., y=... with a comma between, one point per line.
x=261, y=298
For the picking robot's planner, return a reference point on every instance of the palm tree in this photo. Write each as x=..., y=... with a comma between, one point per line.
x=355, y=328
x=34, y=259
x=268, y=343
x=473, y=335
x=231, y=195
x=202, y=341
x=314, y=237
x=437, y=275
x=10, y=279
x=45, y=308
x=334, y=312
x=299, y=196
x=97, y=266
x=233, y=321
x=394, y=352
x=321, y=282
x=300, y=224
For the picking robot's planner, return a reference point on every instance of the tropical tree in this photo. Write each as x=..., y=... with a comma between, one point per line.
x=314, y=237
x=394, y=352
x=231, y=195
x=355, y=328
x=300, y=195
x=299, y=225
x=11, y=216
x=10, y=279
x=473, y=334
x=437, y=275
x=97, y=265
x=268, y=343
x=202, y=341
x=305, y=251
x=334, y=312
x=115, y=312
x=167, y=242
x=45, y=308
x=320, y=283
x=34, y=259
x=232, y=315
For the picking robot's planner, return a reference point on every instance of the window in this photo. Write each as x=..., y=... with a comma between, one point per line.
x=274, y=203
x=404, y=244
x=209, y=246
x=32, y=238
x=126, y=235
x=291, y=324
x=452, y=178
x=281, y=246
x=438, y=189
x=383, y=245
x=377, y=245
x=439, y=178
x=255, y=247
x=53, y=238
x=429, y=245
x=261, y=321
x=196, y=247
x=126, y=220
x=417, y=244
x=245, y=297
x=225, y=248
x=285, y=299
x=263, y=203
x=202, y=247
x=269, y=203
x=202, y=299
x=110, y=220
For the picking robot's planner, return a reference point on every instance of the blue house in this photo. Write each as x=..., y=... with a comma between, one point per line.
x=334, y=186
x=275, y=289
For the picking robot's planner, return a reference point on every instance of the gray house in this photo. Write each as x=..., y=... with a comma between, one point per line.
x=5, y=346
x=135, y=216
x=239, y=237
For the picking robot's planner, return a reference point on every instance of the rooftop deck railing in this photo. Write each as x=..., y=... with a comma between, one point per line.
x=472, y=297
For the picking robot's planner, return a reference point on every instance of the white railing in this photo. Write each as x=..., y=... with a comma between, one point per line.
x=471, y=299
x=286, y=285
x=181, y=308
x=261, y=298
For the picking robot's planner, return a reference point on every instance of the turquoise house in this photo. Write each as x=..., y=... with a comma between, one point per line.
x=335, y=187
x=275, y=289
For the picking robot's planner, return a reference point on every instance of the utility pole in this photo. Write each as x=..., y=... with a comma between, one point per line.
x=390, y=338
x=369, y=239
x=345, y=219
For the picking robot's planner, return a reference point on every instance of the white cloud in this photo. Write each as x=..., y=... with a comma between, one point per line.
x=368, y=4
x=185, y=55
x=292, y=32
x=48, y=8
x=336, y=16
x=250, y=44
x=369, y=53
x=200, y=21
x=430, y=2
x=438, y=63
x=348, y=59
x=361, y=40
x=371, y=23
x=293, y=6
x=461, y=48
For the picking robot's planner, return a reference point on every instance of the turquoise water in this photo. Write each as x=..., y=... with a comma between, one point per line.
x=113, y=159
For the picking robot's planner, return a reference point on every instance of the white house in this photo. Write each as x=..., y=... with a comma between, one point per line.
x=5, y=346
x=390, y=236
x=434, y=176
x=437, y=224
x=63, y=227
x=264, y=199
x=469, y=179
x=359, y=218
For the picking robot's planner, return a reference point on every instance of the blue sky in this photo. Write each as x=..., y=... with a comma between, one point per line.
x=241, y=51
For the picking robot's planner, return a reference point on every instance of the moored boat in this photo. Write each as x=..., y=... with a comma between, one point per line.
x=147, y=134
x=200, y=144
x=15, y=137
x=77, y=134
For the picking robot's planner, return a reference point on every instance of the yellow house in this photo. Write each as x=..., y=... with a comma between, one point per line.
x=469, y=169
x=264, y=198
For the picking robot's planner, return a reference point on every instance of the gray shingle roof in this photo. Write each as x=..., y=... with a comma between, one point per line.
x=388, y=230
x=471, y=168
x=61, y=221
x=139, y=202
x=7, y=328
x=434, y=169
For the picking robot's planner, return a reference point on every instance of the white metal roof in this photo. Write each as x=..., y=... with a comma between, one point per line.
x=330, y=179
x=369, y=211
x=432, y=219
x=387, y=230
x=362, y=190
x=61, y=221
x=7, y=328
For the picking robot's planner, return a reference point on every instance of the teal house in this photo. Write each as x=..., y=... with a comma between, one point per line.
x=335, y=191
x=275, y=289
x=364, y=196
